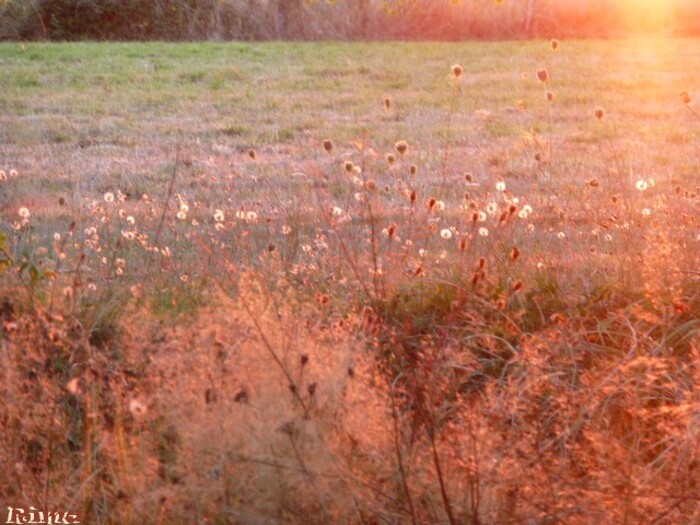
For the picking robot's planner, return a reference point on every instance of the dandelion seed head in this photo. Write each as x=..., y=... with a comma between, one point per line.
x=109, y=197
x=500, y=185
x=446, y=234
x=137, y=408
x=484, y=232
x=525, y=211
x=642, y=185
x=24, y=212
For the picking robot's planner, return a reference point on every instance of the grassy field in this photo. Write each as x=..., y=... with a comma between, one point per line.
x=351, y=283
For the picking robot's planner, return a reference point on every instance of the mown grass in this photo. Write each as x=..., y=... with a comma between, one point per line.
x=222, y=301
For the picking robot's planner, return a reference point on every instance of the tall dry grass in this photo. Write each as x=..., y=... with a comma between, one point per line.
x=390, y=342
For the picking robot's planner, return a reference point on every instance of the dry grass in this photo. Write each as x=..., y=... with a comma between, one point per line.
x=440, y=296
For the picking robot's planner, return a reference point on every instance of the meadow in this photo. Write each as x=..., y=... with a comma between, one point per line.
x=351, y=282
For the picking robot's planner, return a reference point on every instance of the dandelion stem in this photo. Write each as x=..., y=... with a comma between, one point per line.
x=171, y=187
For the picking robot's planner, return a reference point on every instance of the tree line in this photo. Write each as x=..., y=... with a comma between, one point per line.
x=336, y=19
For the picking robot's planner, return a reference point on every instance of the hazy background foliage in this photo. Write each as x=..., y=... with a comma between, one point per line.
x=338, y=19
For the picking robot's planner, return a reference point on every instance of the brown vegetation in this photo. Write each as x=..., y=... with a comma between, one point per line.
x=341, y=19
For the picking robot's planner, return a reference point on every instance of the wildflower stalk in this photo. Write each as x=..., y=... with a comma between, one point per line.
x=438, y=469
x=309, y=476
x=457, y=73
x=693, y=111
x=346, y=252
x=278, y=361
x=399, y=456
x=166, y=203
x=551, y=128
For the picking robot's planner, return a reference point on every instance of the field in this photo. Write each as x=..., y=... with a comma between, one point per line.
x=351, y=283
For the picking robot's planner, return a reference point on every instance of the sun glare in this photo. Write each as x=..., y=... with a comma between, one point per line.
x=648, y=15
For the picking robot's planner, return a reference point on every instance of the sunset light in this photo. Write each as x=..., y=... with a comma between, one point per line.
x=354, y=262
x=648, y=15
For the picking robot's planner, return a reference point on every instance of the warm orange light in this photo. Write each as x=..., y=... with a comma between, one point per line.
x=648, y=15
